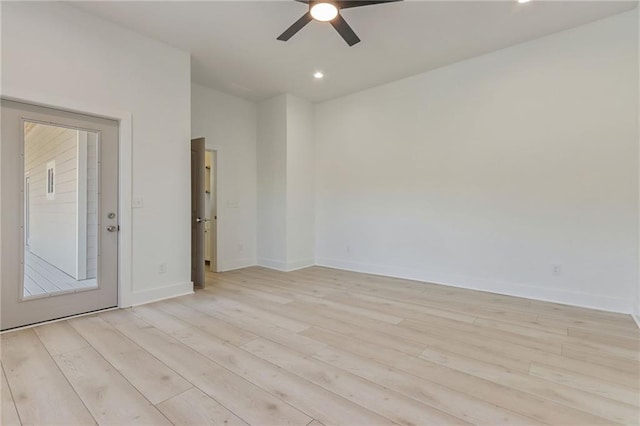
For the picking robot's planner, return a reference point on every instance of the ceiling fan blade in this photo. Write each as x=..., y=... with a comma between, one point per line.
x=303, y=1
x=345, y=30
x=297, y=26
x=346, y=4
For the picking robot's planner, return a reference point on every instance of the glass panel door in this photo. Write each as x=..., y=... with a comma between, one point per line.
x=59, y=240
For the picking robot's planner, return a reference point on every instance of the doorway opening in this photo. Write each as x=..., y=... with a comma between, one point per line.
x=204, y=253
x=211, y=211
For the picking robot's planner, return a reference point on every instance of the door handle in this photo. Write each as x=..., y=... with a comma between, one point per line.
x=112, y=228
x=198, y=219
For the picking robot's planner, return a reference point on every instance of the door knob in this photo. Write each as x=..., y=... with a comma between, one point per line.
x=112, y=228
x=198, y=220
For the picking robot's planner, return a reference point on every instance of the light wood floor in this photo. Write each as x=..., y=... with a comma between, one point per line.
x=321, y=346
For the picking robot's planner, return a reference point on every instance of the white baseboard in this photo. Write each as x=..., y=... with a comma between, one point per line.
x=300, y=264
x=273, y=264
x=161, y=293
x=286, y=266
x=546, y=294
x=232, y=265
x=585, y=300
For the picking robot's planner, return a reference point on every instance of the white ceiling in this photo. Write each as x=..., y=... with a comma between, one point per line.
x=234, y=48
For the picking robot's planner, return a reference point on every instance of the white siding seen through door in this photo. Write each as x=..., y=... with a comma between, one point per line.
x=52, y=222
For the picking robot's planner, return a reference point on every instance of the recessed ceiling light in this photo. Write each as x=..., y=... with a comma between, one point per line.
x=324, y=11
x=318, y=75
x=524, y=1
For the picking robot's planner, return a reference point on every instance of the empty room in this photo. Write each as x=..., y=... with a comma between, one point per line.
x=320, y=212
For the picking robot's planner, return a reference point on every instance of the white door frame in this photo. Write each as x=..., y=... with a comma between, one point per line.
x=219, y=209
x=213, y=265
x=124, y=119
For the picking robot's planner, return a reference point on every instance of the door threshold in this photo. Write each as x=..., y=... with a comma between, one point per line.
x=37, y=324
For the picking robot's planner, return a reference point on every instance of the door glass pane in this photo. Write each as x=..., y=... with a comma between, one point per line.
x=60, y=210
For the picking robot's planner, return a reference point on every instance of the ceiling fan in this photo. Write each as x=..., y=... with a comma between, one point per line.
x=329, y=11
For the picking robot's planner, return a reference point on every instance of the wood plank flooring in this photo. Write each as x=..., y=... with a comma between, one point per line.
x=326, y=347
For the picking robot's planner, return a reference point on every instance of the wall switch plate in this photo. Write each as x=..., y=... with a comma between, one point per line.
x=136, y=203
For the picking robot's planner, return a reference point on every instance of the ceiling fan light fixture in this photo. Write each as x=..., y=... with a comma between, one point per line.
x=329, y=10
x=324, y=11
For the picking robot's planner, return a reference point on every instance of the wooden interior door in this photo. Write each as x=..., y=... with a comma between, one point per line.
x=197, y=211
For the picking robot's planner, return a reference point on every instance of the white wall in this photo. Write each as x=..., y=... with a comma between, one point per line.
x=58, y=52
x=52, y=219
x=228, y=123
x=272, y=182
x=300, y=184
x=285, y=183
x=485, y=173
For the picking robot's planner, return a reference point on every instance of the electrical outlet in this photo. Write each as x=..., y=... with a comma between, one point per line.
x=162, y=268
x=240, y=248
x=348, y=249
x=556, y=270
